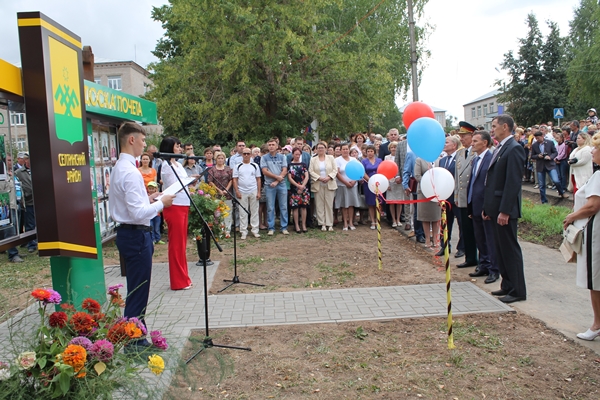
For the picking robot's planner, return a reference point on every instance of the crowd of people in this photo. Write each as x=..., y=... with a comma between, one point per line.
x=294, y=183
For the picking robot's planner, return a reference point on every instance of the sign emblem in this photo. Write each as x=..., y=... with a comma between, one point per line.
x=66, y=92
x=559, y=113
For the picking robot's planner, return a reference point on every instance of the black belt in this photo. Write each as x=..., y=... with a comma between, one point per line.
x=135, y=227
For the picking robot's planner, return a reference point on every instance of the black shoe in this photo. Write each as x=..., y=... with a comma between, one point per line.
x=466, y=265
x=511, y=299
x=459, y=254
x=441, y=252
x=479, y=272
x=499, y=293
x=492, y=278
x=421, y=239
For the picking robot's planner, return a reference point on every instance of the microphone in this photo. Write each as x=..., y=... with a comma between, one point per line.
x=167, y=156
x=195, y=158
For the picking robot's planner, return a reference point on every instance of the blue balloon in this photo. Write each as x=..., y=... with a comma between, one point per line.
x=355, y=170
x=426, y=138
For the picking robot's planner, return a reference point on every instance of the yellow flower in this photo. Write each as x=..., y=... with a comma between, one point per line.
x=156, y=364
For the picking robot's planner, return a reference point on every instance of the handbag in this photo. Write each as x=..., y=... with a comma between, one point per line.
x=567, y=252
x=574, y=237
x=413, y=184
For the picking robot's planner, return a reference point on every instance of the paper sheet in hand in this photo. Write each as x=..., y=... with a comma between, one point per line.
x=176, y=187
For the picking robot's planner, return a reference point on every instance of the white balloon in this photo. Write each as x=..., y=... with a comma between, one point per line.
x=437, y=182
x=381, y=180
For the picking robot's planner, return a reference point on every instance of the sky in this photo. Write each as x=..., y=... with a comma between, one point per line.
x=467, y=44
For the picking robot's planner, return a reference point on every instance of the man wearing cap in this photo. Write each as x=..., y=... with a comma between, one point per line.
x=24, y=176
x=592, y=116
x=20, y=160
x=462, y=174
x=543, y=151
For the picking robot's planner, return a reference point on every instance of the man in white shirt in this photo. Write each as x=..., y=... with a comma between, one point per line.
x=237, y=158
x=131, y=207
x=246, y=183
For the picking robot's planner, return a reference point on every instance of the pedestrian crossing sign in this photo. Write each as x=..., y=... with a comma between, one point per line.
x=559, y=113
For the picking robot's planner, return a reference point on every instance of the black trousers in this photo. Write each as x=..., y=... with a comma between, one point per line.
x=510, y=258
x=468, y=234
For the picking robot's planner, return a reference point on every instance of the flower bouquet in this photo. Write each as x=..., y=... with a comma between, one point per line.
x=77, y=354
x=212, y=207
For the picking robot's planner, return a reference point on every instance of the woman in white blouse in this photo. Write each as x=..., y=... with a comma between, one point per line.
x=580, y=161
x=323, y=171
x=176, y=216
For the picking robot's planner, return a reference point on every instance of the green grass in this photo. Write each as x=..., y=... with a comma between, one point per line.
x=543, y=221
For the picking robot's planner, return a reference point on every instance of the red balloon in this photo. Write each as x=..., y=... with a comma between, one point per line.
x=388, y=168
x=414, y=111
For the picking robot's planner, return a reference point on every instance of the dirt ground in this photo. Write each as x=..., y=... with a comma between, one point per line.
x=497, y=356
x=509, y=356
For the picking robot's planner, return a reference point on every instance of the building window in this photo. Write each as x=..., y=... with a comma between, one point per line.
x=491, y=107
x=488, y=126
x=17, y=119
x=21, y=143
x=473, y=112
x=485, y=109
x=146, y=88
x=479, y=111
x=114, y=82
x=98, y=81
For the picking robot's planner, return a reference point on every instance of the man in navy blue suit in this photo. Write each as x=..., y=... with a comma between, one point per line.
x=484, y=231
x=502, y=204
x=449, y=162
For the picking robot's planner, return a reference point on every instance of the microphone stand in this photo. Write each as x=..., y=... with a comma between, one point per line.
x=207, y=342
x=236, y=204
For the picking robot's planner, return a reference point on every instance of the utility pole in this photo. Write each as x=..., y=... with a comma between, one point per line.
x=413, y=51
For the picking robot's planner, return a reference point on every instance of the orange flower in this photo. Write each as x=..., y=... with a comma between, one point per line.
x=75, y=356
x=132, y=330
x=116, y=333
x=67, y=307
x=41, y=294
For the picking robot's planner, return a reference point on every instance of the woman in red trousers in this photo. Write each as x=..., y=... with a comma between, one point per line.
x=176, y=217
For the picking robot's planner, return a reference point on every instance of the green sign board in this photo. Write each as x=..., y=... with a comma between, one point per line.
x=113, y=103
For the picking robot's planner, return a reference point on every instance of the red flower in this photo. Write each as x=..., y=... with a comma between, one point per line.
x=41, y=294
x=91, y=305
x=58, y=319
x=82, y=322
x=116, y=333
x=67, y=307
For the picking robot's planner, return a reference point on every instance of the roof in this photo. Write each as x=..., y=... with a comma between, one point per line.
x=435, y=109
x=493, y=93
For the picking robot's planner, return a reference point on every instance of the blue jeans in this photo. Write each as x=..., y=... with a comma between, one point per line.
x=280, y=193
x=30, y=225
x=542, y=181
x=155, y=225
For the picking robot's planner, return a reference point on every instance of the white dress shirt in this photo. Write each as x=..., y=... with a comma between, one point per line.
x=129, y=203
x=168, y=178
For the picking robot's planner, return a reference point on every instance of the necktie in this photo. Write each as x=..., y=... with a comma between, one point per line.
x=470, y=196
x=495, y=155
x=466, y=154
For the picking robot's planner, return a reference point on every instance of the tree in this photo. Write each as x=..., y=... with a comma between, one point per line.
x=268, y=68
x=450, y=123
x=584, y=68
x=537, y=75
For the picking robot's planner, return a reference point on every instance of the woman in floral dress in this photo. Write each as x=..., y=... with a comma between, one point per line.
x=299, y=195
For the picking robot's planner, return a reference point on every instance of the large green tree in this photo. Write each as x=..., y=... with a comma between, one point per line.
x=537, y=75
x=584, y=67
x=265, y=68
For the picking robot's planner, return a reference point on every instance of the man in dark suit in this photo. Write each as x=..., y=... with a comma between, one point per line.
x=449, y=163
x=502, y=204
x=543, y=151
x=392, y=136
x=484, y=231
